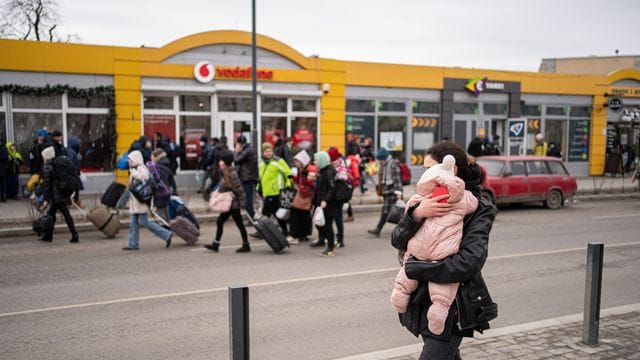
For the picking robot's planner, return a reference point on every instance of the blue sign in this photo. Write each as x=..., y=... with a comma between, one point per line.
x=516, y=128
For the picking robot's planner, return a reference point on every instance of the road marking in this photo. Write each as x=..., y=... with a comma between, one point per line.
x=272, y=283
x=227, y=247
x=615, y=216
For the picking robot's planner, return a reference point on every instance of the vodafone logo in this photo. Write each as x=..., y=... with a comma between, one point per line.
x=204, y=71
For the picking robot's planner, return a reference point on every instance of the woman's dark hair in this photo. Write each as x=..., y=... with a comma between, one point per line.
x=466, y=171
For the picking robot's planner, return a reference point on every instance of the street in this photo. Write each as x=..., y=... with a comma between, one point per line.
x=93, y=301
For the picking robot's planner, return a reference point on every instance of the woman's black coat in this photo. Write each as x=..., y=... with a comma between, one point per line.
x=474, y=305
x=325, y=191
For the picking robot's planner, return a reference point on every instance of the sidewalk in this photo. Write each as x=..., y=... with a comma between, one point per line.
x=16, y=216
x=560, y=338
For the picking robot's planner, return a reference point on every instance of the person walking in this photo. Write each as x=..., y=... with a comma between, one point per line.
x=230, y=181
x=246, y=161
x=300, y=223
x=139, y=210
x=13, y=171
x=163, y=164
x=342, y=174
x=325, y=199
x=464, y=266
x=274, y=176
x=60, y=182
x=4, y=170
x=390, y=185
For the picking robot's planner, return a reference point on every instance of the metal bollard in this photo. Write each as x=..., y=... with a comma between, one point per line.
x=239, y=322
x=592, y=294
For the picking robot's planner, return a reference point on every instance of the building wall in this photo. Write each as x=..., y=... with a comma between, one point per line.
x=591, y=65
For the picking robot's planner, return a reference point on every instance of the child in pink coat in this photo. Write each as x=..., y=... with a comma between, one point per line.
x=437, y=238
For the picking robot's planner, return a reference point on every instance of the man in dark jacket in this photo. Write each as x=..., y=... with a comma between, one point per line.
x=476, y=147
x=353, y=146
x=246, y=161
x=58, y=143
x=55, y=196
x=35, y=157
x=72, y=152
x=282, y=150
x=390, y=179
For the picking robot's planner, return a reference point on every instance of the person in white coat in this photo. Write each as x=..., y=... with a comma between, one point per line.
x=139, y=210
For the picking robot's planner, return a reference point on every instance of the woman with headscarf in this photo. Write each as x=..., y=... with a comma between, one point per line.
x=15, y=160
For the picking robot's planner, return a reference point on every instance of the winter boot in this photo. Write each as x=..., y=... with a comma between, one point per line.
x=244, y=248
x=215, y=245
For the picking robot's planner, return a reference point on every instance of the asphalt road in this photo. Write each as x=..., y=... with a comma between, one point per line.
x=93, y=301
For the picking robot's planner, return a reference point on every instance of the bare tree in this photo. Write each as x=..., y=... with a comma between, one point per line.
x=31, y=20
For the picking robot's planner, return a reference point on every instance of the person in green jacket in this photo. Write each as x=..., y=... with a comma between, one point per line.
x=275, y=175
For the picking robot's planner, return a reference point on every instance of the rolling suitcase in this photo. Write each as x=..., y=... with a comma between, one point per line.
x=177, y=207
x=185, y=229
x=271, y=233
x=104, y=219
x=112, y=195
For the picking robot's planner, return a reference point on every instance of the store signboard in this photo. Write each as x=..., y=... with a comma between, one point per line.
x=624, y=91
x=615, y=104
x=517, y=141
x=579, y=140
x=479, y=85
x=205, y=72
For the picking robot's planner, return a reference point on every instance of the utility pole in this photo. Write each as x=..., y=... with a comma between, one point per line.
x=254, y=82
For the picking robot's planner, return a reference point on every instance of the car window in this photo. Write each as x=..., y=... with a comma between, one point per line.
x=557, y=168
x=536, y=168
x=493, y=167
x=517, y=168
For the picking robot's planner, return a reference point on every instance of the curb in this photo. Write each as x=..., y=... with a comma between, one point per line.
x=409, y=350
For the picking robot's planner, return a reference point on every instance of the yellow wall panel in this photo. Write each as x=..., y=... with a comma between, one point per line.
x=127, y=68
x=121, y=82
x=128, y=97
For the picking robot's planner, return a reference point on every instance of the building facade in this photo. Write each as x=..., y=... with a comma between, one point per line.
x=200, y=85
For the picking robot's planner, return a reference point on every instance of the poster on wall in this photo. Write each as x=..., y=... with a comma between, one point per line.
x=363, y=126
x=164, y=124
x=392, y=140
x=578, y=140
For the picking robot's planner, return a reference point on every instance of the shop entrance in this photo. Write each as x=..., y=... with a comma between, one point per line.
x=233, y=125
x=466, y=129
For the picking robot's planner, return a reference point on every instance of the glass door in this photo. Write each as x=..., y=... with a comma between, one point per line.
x=466, y=129
x=556, y=134
x=232, y=125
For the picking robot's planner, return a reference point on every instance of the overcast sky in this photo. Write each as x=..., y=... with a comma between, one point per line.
x=496, y=34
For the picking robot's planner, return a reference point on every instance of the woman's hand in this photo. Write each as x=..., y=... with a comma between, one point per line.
x=430, y=207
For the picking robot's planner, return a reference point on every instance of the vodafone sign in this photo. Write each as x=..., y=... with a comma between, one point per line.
x=204, y=72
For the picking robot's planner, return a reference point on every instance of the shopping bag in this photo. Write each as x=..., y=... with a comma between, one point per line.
x=318, y=217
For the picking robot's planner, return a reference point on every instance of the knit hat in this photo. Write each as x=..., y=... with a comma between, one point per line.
x=303, y=157
x=158, y=153
x=446, y=168
x=241, y=140
x=312, y=169
x=56, y=133
x=266, y=146
x=382, y=154
x=48, y=153
x=322, y=158
x=42, y=132
x=334, y=153
x=227, y=157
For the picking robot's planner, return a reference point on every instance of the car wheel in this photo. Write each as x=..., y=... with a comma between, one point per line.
x=487, y=196
x=554, y=200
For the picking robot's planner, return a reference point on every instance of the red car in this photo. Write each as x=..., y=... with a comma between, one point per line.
x=521, y=179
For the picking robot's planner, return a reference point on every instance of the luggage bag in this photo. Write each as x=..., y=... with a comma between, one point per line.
x=104, y=219
x=185, y=229
x=271, y=233
x=112, y=194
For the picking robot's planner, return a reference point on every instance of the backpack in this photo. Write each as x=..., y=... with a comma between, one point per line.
x=343, y=190
x=123, y=161
x=160, y=188
x=405, y=174
x=67, y=179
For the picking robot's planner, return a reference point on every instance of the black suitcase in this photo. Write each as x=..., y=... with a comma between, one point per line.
x=112, y=195
x=271, y=233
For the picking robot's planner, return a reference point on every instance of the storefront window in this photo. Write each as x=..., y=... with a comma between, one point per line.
x=274, y=104
x=361, y=125
x=304, y=131
x=304, y=105
x=158, y=102
x=271, y=125
x=36, y=102
x=361, y=106
x=580, y=111
x=195, y=103
x=531, y=110
x=191, y=129
x=25, y=126
x=234, y=104
x=465, y=108
x=556, y=134
x=91, y=130
x=163, y=124
x=425, y=133
x=556, y=110
x=391, y=106
x=391, y=135
x=495, y=109
x=423, y=107
x=94, y=102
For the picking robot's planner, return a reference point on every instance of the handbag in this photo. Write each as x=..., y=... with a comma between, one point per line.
x=318, y=217
x=286, y=197
x=220, y=201
x=301, y=202
x=142, y=190
x=396, y=212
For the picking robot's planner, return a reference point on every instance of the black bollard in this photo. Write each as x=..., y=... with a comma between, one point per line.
x=592, y=294
x=239, y=322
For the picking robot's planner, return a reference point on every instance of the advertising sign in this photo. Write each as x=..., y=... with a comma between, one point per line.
x=517, y=140
x=392, y=140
